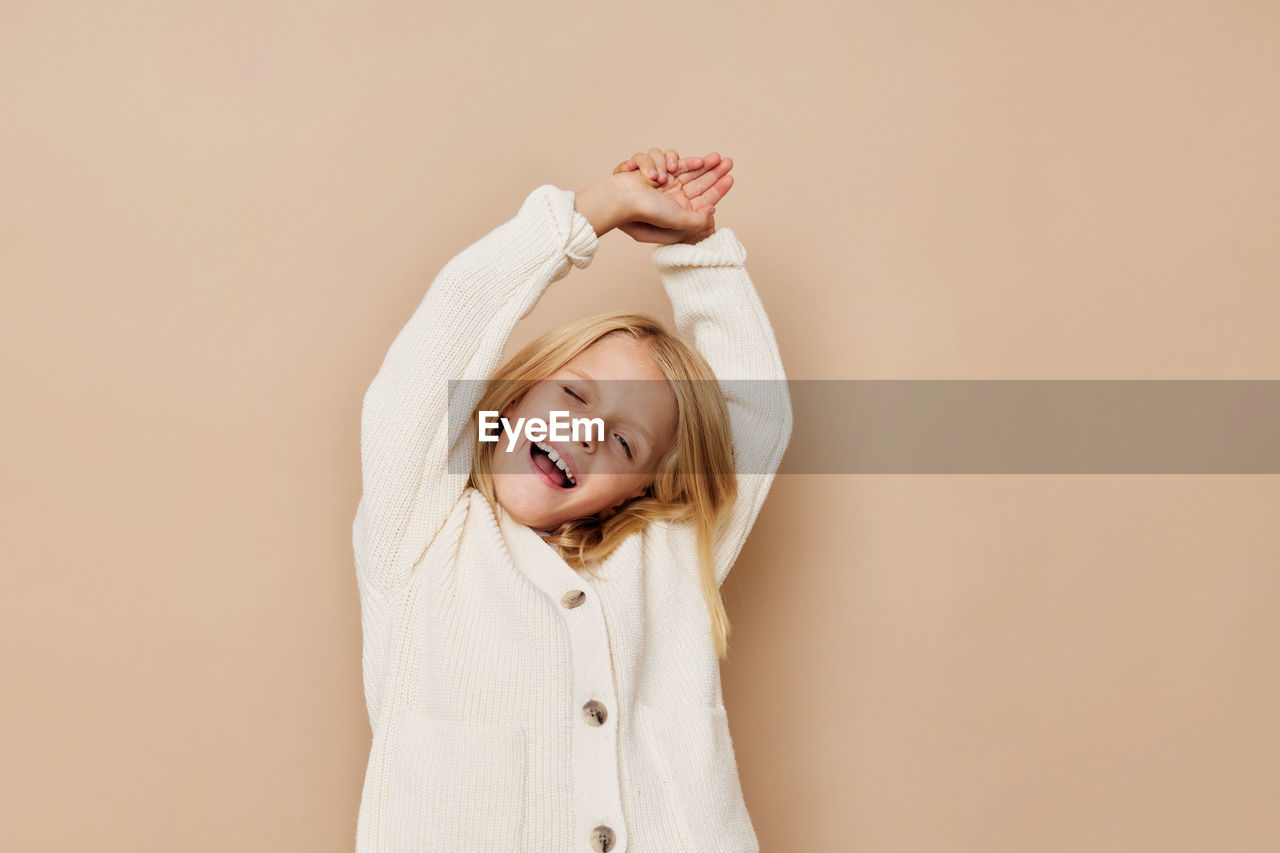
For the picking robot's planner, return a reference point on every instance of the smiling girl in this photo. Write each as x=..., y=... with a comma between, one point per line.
x=542, y=620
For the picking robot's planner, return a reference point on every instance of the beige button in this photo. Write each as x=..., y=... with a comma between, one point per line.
x=573, y=598
x=602, y=838
x=595, y=713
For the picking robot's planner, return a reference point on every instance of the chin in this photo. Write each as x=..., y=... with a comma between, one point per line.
x=530, y=510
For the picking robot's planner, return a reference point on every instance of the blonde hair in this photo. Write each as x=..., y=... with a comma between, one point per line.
x=694, y=481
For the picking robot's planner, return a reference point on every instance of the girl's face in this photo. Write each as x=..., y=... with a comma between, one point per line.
x=639, y=426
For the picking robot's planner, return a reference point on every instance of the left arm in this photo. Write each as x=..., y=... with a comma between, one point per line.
x=717, y=310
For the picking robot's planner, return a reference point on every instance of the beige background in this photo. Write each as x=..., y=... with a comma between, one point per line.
x=215, y=217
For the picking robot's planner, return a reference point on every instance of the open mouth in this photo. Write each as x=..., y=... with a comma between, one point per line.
x=550, y=471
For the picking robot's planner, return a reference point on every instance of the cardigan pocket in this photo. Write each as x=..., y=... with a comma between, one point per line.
x=456, y=786
x=694, y=756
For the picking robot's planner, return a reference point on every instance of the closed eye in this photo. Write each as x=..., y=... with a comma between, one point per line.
x=575, y=396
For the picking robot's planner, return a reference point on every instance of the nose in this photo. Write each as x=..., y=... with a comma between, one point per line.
x=589, y=440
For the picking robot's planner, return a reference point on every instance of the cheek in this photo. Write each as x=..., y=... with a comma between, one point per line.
x=617, y=488
x=509, y=463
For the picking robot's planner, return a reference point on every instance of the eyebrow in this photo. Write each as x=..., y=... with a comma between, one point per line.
x=640, y=429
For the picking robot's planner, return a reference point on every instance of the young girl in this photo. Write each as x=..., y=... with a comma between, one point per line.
x=542, y=620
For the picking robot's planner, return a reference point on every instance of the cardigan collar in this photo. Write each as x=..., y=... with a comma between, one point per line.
x=542, y=563
x=539, y=561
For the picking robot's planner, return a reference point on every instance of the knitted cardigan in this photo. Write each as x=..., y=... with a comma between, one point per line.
x=517, y=704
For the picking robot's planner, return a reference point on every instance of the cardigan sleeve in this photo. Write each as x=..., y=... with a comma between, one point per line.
x=717, y=309
x=458, y=331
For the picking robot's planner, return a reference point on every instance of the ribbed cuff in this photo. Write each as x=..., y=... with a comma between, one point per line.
x=721, y=249
x=574, y=234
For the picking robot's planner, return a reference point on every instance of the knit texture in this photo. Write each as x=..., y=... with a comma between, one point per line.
x=488, y=659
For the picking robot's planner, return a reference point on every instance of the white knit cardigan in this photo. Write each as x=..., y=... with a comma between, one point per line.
x=517, y=704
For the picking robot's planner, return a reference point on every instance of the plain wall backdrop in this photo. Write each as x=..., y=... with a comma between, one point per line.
x=215, y=217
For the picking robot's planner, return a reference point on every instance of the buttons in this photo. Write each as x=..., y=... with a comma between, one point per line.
x=595, y=712
x=572, y=598
x=602, y=838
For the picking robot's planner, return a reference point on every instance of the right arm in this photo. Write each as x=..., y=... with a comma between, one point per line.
x=457, y=332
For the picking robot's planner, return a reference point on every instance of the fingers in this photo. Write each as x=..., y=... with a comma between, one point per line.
x=659, y=158
x=663, y=163
x=717, y=178
x=662, y=166
x=712, y=195
x=648, y=166
x=688, y=165
x=709, y=161
x=697, y=166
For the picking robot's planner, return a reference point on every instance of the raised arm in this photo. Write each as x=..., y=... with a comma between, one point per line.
x=457, y=332
x=717, y=309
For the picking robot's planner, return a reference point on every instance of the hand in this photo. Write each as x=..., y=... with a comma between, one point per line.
x=659, y=183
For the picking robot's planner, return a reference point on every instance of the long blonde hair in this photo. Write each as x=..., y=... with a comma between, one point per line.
x=694, y=481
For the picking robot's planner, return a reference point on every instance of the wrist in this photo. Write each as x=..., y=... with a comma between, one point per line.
x=604, y=204
x=695, y=239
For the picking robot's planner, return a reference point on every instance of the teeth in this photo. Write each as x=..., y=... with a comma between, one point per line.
x=555, y=457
